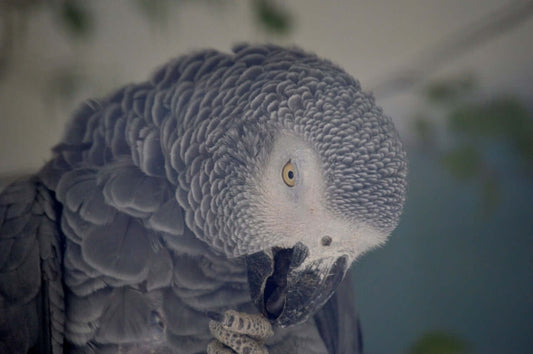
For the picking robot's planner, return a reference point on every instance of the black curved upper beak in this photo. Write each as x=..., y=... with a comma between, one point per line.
x=286, y=292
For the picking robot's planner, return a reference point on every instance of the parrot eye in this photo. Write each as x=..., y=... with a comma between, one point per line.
x=288, y=174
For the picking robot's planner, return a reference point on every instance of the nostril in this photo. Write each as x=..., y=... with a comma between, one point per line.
x=326, y=240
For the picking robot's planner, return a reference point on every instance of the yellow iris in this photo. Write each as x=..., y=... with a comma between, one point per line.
x=288, y=174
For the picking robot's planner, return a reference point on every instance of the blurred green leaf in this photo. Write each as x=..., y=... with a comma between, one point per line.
x=439, y=343
x=462, y=162
x=445, y=92
x=478, y=129
x=75, y=17
x=273, y=17
x=504, y=117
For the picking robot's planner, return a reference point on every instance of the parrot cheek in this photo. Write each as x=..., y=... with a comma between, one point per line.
x=288, y=292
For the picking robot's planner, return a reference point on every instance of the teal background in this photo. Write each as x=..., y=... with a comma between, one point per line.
x=450, y=268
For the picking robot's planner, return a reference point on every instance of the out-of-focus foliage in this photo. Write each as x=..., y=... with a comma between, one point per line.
x=448, y=92
x=75, y=17
x=505, y=118
x=463, y=161
x=272, y=16
x=476, y=130
x=439, y=343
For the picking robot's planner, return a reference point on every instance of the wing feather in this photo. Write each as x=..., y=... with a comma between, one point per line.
x=337, y=321
x=31, y=289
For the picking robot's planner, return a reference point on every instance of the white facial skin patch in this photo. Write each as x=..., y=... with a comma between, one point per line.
x=296, y=212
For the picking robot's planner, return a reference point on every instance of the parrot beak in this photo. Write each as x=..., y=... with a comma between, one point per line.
x=288, y=288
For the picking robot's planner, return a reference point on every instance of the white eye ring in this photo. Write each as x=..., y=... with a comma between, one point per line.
x=288, y=174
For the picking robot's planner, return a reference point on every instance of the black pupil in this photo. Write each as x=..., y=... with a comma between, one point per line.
x=290, y=174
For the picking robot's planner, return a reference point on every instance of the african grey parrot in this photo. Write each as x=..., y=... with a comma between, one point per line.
x=215, y=207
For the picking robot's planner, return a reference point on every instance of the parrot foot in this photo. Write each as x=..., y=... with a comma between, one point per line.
x=239, y=333
x=216, y=347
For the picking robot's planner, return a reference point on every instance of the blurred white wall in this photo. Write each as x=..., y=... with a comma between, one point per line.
x=370, y=39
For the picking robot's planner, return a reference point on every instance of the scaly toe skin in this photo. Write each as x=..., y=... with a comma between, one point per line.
x=253, y=325
x=215, y=347
x=244, y=333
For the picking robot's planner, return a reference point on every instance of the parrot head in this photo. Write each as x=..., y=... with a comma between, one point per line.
x=321, y=219
x=301, y=173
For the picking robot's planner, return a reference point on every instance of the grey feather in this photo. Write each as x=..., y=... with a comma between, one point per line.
x=31, y=290
x=168, y=219
x=181, y=319
x=127, y=317
x=21, y=282
x=160, y=270
x=120, y=251
x=127, y=189
x=15, y=252
x=88, y=308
